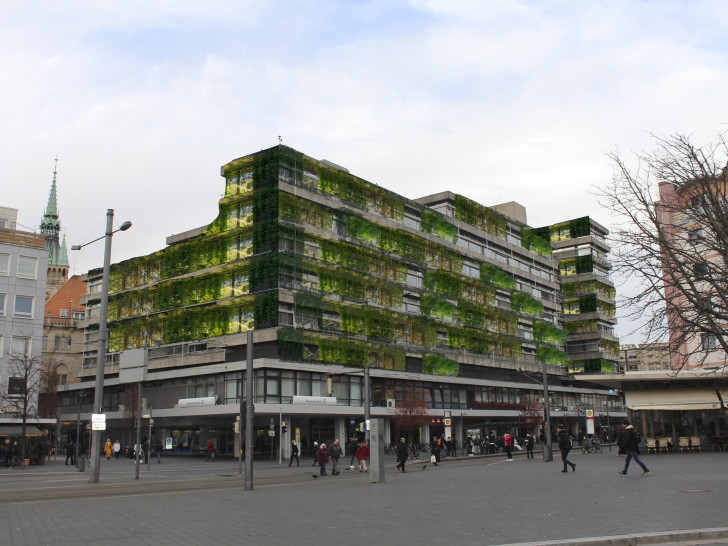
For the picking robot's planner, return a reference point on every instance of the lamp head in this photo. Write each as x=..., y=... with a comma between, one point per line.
x=126, y=225
x=76, y=247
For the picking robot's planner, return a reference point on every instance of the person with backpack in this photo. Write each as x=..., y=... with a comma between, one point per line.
x=565, y=446
x=631, y=448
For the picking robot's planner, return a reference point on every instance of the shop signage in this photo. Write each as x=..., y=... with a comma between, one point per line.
x=194, y=402
x=315, y=400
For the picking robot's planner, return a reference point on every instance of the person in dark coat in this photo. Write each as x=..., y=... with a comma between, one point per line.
x=334, y=453
x=294, y=453
x=353, y=447
x=314, y=453
x=402, y=454
x=436, y=445
x=70, y=452
x=322, y=456
x=631, y=448
x=565, y=447
x=528, y=440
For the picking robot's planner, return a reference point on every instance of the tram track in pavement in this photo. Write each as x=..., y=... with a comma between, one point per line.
x=63, y=486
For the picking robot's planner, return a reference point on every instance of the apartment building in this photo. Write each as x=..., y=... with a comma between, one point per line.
x=23, y=266
x=441, y=298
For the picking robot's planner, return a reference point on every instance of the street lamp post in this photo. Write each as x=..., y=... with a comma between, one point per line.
x=101, y=353
x=547, y=453
x=609, y=430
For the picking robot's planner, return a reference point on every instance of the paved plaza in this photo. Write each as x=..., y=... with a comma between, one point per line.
x=483, y=500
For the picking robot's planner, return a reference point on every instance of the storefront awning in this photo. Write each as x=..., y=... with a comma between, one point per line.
x=673, y=399
x=17, y=430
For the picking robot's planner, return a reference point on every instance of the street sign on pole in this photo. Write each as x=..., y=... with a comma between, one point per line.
x=98, y=421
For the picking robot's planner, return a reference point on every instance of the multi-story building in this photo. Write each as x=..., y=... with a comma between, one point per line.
x=23, y=266
x=50, y=228
x=645, y=357
x=63, y=329
x=588, y=295
x=441, y=298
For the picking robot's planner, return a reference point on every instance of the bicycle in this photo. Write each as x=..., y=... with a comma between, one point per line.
x=591, y=444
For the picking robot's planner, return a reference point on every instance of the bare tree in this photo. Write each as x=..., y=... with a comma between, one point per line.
x=670, y=244
x=48, y=387
x=411, y=412
x=20, y=396
x=532, y=413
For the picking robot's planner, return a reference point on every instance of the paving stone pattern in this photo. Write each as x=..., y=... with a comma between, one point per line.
x=483, y=500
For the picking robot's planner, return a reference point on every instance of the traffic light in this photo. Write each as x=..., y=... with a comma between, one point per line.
x=284, y=427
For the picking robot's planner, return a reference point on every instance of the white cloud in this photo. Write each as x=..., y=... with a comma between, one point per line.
x=517, y=101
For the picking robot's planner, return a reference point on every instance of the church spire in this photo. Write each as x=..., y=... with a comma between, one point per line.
x=50, y=228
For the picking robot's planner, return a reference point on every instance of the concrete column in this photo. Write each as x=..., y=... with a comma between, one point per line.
x=426, y=438
x=459, y=432
x=340, y=432
x=376, y=451
x=387, y=430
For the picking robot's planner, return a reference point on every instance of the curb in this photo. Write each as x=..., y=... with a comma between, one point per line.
x=637, y=538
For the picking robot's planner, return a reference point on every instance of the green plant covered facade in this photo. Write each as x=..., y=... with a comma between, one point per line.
x=326, y=260
x=589, y=297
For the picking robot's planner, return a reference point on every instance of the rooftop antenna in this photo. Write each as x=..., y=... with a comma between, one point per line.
x=280, y=139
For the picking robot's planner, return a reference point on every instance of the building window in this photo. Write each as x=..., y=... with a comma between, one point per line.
x=2, y=305
x=414, y=278
x=4, y=264
x=20, y=347
x=23, y=306
x=708, y=342
x=411, y=303
x=411, y=220
x=16, y=386
x=27, y=267
x=63, y=313
x=695, y=236
x=700, y=270
x=471, y=270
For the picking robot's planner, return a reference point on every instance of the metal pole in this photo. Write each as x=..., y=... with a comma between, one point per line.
x=609, y=430
x=367, y=404
x=250, y=413
x=138, y=449
x=78, y=430
x=101, y=353
x=149, y=447
x=241, y=427
x=280, y=435
x=547, y=452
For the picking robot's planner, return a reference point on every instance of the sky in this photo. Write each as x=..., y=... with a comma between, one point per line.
x=143, y=101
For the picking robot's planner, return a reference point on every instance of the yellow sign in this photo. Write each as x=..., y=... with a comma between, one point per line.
x=590, y=414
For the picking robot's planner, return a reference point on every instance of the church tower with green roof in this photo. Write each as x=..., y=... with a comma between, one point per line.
x=50, y=228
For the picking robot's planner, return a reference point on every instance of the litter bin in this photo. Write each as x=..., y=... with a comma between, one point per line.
x=81, y=464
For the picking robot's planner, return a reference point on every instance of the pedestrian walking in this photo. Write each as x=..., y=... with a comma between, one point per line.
x=528, y=442
x=353, y=447
x=435, y=449
x=117, y=449
x=565, y=444
x=402, y=454
x=70, y=452
x=210, y=451
x=322, y=457
x=294, y=453
x=314, y=452
x=334, y=453
x=632, y=448
x=15, y=455
x=362, y=453
x=108, y=449
x=158, y=449
x=508, y=446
